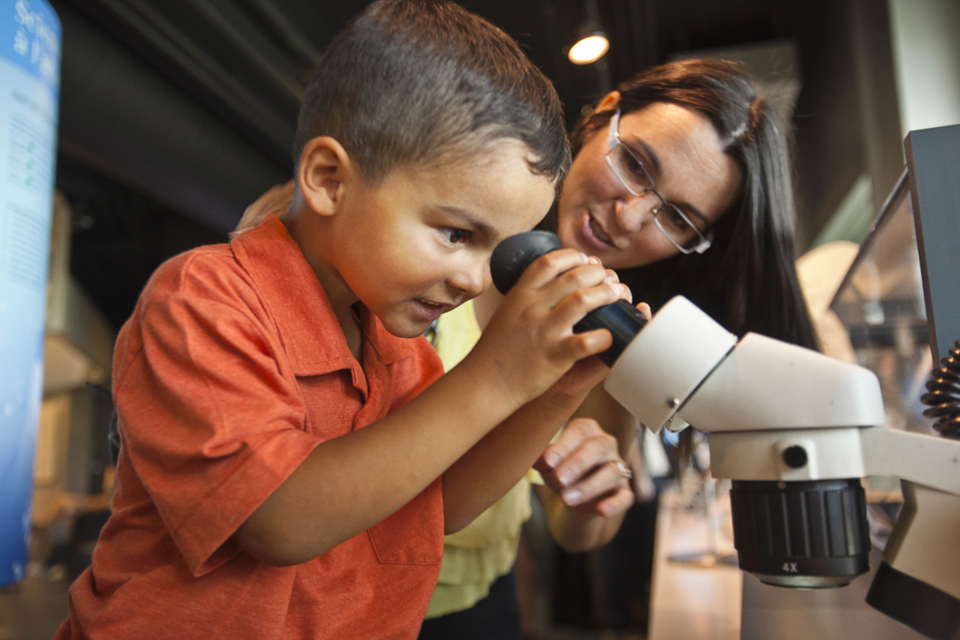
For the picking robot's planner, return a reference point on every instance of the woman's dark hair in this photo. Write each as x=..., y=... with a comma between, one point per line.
x=746, y=280
x=423, y=82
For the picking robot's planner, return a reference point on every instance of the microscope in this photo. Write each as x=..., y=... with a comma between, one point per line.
x=794, y=431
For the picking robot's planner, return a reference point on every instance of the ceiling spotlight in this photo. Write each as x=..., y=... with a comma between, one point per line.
x=592, y=43
x=589, y=49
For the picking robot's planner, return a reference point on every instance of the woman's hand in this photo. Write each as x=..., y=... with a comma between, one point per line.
x=582, y=468
x=276, y=199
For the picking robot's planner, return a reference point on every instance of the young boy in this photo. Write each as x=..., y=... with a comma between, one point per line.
x=285, y=471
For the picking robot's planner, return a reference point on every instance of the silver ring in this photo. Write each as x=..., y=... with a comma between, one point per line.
x=623, y=469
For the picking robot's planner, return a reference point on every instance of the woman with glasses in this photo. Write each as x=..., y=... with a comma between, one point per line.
x=681, y=182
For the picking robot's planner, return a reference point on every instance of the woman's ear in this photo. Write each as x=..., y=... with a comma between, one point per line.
x=325, y=170
x=609, y=102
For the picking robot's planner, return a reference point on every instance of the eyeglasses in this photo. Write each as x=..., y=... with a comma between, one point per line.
x=635, y=178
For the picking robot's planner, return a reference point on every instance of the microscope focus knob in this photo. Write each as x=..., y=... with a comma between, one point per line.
x=795, y=457
x=807, y=534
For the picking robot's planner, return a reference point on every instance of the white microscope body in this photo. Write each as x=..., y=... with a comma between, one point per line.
x=795, y=431
x=777, y=413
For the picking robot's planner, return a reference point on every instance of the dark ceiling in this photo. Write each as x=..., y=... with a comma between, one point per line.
x=177, y=113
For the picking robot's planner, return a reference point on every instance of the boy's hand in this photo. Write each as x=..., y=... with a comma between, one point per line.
x=580, y=468
x=586, y=373
x=530, y=345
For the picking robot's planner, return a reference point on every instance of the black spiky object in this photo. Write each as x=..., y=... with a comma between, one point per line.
x=943, y=395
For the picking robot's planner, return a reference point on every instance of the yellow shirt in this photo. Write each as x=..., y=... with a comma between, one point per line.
x=486, y=549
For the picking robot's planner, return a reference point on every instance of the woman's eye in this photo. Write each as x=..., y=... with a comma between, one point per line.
x=455, y=236
x=675, y=220
x=635, y=170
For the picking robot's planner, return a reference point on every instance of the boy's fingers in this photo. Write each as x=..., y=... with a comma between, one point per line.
x=577, y=279
x=550, y=266
x=644, y=308
x=565, y=271
x=570, y=277
x=577, y=304
x=613, y=277
x=583, y=345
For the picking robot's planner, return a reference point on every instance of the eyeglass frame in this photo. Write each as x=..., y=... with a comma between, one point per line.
x=613, y=141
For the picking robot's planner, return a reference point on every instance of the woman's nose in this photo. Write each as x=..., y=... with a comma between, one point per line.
x=633, y=212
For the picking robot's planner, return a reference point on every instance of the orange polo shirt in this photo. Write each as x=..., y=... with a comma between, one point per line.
x=230, y=371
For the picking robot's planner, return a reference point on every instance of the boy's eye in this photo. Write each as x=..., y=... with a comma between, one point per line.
x=455, y=236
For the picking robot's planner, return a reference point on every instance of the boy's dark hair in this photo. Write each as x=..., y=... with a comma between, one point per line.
x=424, y=81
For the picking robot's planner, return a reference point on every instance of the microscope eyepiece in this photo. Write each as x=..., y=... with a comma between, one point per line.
x=514, y=255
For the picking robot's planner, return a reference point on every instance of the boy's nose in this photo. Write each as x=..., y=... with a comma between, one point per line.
x=473, y=279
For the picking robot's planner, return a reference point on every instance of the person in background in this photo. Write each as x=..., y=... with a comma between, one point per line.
x=682, y=183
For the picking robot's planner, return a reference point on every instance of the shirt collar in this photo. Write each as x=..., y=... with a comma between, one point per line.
x=295, y=298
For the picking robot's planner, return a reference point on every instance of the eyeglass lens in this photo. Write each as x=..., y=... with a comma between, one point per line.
x=638, y=180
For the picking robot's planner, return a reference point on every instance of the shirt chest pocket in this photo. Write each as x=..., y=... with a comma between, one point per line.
x=331, y=402
x=414, y=534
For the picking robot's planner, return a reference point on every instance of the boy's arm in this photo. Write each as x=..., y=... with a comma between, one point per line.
x=350, y=483
x=578, y=462
x=498, y=461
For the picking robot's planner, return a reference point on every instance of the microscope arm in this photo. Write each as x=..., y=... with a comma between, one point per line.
x=927, y=460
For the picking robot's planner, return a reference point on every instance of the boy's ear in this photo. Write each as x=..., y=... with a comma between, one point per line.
x=325, y=167
x=609, y=102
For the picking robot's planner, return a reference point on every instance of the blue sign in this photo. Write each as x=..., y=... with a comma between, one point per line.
x=29, y=89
